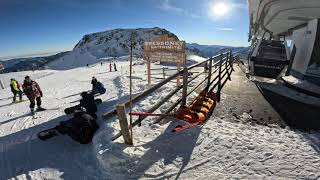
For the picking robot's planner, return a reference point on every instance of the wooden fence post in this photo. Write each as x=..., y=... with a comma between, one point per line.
x=185, y=86
x=219, y=82
x=149, y=70
x=210, y=73
x=121, y=111
x=178, y=69
x=206, y=66
x=227, y=63
x=231, y=62
x=227, y=60
x=164, y=72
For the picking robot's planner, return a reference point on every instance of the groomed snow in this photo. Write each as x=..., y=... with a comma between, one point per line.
x=220, y=149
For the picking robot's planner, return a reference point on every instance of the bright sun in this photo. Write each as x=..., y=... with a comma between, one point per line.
x=219, y=9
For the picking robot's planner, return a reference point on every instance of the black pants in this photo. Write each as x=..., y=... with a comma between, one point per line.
x=80, y=128
x=15, y=95
x=33, y=103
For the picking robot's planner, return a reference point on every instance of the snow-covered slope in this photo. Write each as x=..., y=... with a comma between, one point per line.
x=221, y=149
x=113, y=43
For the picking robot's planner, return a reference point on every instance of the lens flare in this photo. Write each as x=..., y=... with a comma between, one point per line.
x=218, y=9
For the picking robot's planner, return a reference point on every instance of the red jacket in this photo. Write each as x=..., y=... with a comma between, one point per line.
x=31, y=89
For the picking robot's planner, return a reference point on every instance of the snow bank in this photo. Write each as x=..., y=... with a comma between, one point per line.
x=221, y=149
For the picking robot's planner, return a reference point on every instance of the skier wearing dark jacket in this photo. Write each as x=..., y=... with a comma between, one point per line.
x=15, y=89
x=33, y=91
x=83, y=125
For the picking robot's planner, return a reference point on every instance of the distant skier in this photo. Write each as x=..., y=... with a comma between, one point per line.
x=15, y=89
x=115, y=66
x=110, y=67
x=82, y=126
x=101, y=63
x=87, y=65
x=32, y=90
x=97, y=87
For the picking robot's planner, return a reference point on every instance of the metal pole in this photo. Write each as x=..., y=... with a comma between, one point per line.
x=131, y=46
x=185, y=86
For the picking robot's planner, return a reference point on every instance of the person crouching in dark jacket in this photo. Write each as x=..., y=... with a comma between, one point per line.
x=97, y=87
x=33, y=91
x=83, y=125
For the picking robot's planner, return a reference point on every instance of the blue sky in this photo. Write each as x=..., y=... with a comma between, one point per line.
x=47, y=26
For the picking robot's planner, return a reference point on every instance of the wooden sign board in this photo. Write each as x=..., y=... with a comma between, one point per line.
x=165, y=49
x=166, y=57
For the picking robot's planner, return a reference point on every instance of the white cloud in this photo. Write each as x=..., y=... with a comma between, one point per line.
x=150, y=20
x=224, y=29
x=167, y=6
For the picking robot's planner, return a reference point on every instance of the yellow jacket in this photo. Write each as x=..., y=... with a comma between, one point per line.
x=14, y=85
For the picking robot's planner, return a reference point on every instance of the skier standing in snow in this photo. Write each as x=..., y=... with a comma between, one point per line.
x=97, y=87
x=15, y=89
x=32, y=90
x=115, y=66
x=110, y=66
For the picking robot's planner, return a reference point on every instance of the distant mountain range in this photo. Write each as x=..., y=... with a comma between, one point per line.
x=33, y=63
x=113, y=43
x=212, y=50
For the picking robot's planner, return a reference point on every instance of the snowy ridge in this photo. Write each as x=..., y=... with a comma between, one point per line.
x=93, y=48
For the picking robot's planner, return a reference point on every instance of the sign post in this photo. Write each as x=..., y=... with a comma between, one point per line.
x=164, y=49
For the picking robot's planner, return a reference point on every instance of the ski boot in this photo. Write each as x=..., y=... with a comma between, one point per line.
x=32, y=112
x=47, y=134
x=40, y=109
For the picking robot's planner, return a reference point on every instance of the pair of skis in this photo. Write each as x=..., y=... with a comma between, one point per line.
x=178, y=128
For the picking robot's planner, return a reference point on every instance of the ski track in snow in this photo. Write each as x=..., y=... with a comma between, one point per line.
x=220, y=149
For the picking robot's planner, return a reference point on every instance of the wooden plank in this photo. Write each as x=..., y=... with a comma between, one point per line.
x=121, y=111
x=185, y=86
